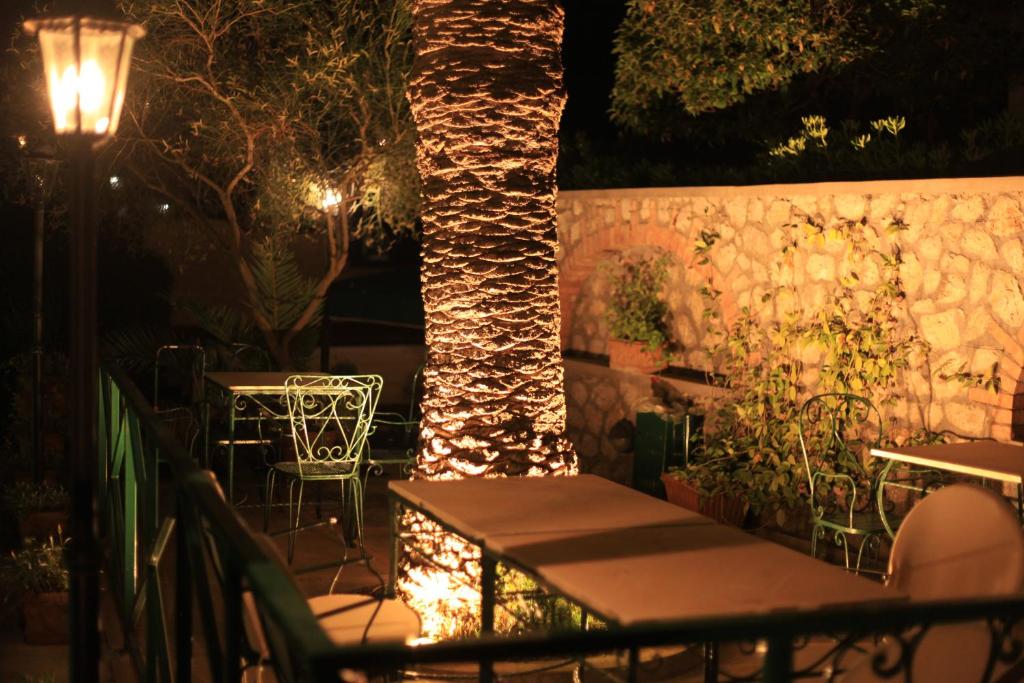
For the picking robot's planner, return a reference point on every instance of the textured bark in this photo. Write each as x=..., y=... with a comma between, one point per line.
x=486, y=94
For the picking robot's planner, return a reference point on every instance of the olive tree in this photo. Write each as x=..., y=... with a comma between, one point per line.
x=268, y=120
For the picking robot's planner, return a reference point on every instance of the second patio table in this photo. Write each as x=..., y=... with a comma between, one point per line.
x=263, y=391
x=984, y=459
x=624, y=556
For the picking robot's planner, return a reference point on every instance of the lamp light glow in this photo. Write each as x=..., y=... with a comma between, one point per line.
x=86, y=65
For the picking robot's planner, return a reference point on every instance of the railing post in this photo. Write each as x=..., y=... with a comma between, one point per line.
x=488, y=586
x=778, y=661
x=183, y=599
x=232, y=666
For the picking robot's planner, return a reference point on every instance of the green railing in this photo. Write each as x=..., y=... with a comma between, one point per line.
x=144, y=535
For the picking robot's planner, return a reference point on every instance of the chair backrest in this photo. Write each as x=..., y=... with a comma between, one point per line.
x=415, y=395
x=834, y=429
x=960, y=541
x=186, y=364
x=330, y=416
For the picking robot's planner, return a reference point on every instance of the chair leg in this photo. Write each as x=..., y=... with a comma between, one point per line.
x=298, y=517
x=268, y=499
x=815, y=532
x=846, y=550
x=357, y=504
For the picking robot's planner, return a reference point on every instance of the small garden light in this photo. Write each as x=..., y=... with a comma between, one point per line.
x=85, y=61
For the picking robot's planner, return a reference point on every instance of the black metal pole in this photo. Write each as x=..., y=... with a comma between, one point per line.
x=83, y=550
x=37, y=341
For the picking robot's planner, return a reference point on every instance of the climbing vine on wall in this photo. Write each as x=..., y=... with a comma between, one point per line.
x=786, y=346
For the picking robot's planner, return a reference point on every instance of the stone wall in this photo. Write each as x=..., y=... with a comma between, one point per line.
x=961, y=240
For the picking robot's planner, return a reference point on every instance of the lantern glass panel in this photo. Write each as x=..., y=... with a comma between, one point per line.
x=88, y=75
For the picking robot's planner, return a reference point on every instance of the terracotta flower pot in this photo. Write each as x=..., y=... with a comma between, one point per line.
x=45, y=618
x=634, y=356
x=729, y=510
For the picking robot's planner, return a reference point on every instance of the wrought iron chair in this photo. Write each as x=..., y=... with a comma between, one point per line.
x=834, y=431
x=393, y=436
x=960, y=542
x=330, y=418
x=189, y=412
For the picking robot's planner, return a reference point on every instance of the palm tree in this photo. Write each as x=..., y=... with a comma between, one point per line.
x=486, y=95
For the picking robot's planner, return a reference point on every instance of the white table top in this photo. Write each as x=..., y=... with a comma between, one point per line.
x=989, y=459
x=243, y=382
x=650, y=574
x=482, y=508
x=632, y=558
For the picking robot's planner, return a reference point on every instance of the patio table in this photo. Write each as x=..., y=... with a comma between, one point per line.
x=985, y=459
x=243, y=390
x=624, y=556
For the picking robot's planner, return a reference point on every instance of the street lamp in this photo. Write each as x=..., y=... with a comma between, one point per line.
x=86, y=52
x=42, y=171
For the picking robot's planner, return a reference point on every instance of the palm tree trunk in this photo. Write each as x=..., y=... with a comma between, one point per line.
x=486, y=94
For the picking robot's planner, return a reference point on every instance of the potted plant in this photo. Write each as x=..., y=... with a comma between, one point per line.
x=637, y=312
x=39, y=509
x=716, y=488
x=41, y=572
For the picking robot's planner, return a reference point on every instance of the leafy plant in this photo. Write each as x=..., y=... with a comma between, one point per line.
x=637, y=309
x=857, y=340
x=41, y=567
x=23, y=497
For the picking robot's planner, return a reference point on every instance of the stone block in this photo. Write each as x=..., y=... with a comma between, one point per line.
x=968, y=208
x=882, y=207
x=977, y=324
x=917, y=213
x=940, y=208
x=911, y=273
x=821, y=268
x=966, y=419
x=850, y=206
x=755, y=210
x=1012, y=252
x=954, y=263
x=929, y=249
x=806, y=204
x=1007, y=300
x=943, y=330
x=953, y=290
x=978, y=288
x=978, y=244
x=930, y=282
x=778, y=213
x=736, y=211
x=1005, y=217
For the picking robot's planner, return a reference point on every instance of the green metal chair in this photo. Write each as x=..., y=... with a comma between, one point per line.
x=330, y=418
x=179, y=393
x=834, y=431
x=393, y=435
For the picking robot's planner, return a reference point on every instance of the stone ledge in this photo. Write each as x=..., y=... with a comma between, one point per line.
x=921, y=186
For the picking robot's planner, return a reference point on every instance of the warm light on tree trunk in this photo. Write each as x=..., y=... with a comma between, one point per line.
x=486, y=95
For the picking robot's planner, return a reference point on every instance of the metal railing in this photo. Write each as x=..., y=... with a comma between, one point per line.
x=142, y=536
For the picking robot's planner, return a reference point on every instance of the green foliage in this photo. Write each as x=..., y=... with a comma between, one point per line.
x=270, y=121
x=23, y=497
x=856, y=339
x=816, y=150
x=526, y=607
x=637, y=309
x=700, y=56
x=41, y=567
x=711, y=55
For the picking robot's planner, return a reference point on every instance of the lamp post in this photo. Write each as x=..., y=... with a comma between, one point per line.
x=86, y=52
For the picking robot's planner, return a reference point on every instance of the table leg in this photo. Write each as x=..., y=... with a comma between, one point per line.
x=231, y=449
x=711, y=661
x=581, y=668
x=394, y=540
x=634, y=665
x=1020, y=503
x=488, y=586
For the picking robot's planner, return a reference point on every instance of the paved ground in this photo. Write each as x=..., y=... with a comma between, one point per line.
x=317, y=546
